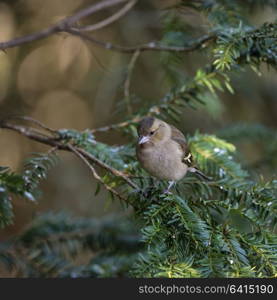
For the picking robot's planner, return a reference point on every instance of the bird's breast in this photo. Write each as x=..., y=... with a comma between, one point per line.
x=163, y=161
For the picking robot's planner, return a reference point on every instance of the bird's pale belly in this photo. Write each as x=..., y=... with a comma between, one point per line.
x=164, y=165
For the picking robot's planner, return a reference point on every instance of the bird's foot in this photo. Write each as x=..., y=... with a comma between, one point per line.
x=167, y=191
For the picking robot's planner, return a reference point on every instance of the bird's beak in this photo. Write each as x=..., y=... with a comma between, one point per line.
x=143, y=139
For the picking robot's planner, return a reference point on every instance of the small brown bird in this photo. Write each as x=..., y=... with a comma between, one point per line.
x=163, y=152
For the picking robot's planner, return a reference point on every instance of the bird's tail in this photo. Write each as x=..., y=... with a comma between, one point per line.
x=199, y=173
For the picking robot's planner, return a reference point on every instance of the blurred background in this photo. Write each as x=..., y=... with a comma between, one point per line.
x=66, y=82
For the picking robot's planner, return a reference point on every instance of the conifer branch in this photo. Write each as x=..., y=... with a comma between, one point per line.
x=94, y=173
x=58, y=143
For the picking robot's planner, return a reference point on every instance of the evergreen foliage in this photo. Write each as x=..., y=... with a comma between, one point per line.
x=225, y=227
x=23, y=185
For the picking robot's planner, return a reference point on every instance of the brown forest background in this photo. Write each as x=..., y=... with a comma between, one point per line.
x=66, y=82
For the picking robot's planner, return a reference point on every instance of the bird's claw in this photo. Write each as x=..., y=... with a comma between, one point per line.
x=167, y=192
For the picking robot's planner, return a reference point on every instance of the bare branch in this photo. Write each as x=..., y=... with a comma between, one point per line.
x=38, y=123
x=60, y=26
x=154, y=110
x=116, y=126
x=66, y=25
x=29, y=38
x=70, y=21
x=108, y=168
x=123, y=11
x=152, y=46
x=52, y=150
x=128, y=80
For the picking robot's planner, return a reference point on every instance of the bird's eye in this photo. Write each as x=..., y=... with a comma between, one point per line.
x=152, y=132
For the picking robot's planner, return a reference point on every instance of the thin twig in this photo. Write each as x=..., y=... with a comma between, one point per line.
x=155, y=110
x=92, y=9
x=116, y=126
x=26, y=118
x=152, y=46
x=109, y=168
x=128, y=80
x=61, y=26
x=52, y=150
x=123, y=11
x=95, y=174
x=66, y=25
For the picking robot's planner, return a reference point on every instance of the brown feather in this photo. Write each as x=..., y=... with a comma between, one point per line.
x=145, y=125
x=178, y=137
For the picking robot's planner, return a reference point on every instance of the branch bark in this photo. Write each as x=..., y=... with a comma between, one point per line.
x=116, y=126
x=69, y=25
x=61, y=26
x=152, y=46
x=123, y=11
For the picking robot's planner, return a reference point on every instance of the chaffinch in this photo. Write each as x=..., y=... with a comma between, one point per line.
x=163, y=151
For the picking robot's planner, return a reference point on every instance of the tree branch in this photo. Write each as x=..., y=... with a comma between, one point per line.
x=123, y=11
x=67, y=25
x=70, y=21
x=152, y=46
x=36, y=122
x=128, y=81
x=52, y=141
x=61, y=26
x=94, y=173
x=29, y=38
x=116, y=126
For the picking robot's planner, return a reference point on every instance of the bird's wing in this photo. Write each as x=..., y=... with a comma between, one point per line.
x=178, y=137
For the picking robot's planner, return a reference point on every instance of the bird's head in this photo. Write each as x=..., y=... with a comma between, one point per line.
x=152, y=131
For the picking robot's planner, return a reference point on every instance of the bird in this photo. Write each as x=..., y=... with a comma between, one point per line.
x=163, y=151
